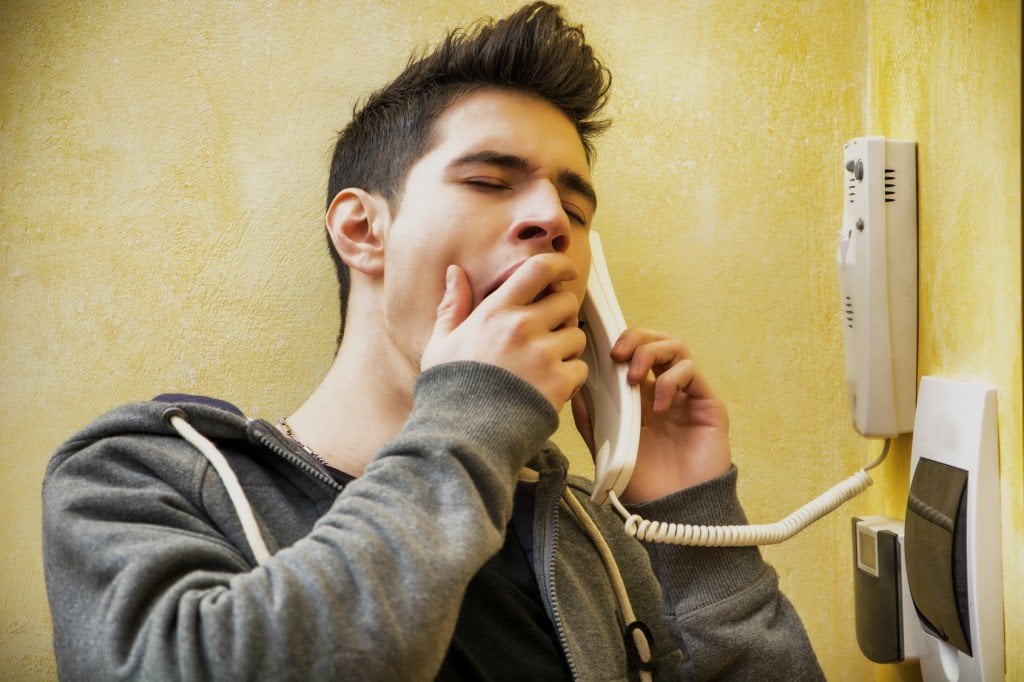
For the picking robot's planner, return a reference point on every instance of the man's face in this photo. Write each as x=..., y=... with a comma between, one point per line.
x=507, y=179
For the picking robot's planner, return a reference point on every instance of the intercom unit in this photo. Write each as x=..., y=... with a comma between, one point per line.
x=877, y=259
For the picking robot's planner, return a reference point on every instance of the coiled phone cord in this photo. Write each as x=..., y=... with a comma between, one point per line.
x=751, y=535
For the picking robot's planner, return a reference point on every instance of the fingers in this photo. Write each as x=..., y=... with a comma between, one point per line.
x=568, y=342
x=651, y=352
x=526, y=326
x=633, y=338
x=558, y=310
x=679, y=377
x=456, y=303
x=532, y=278
x=536, y=287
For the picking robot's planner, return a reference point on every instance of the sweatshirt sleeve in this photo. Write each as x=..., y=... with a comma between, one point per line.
x=143, y=583
x=723, y=604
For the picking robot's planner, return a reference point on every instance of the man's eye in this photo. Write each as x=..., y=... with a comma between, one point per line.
x=575, y=216
x=486, y=183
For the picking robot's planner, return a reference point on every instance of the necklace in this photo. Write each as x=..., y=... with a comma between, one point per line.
x=287, y=428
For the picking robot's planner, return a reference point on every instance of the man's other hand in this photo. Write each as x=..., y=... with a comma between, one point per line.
x=684, y=437
x=527, y=326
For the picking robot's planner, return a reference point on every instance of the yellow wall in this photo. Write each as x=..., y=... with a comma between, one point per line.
x=163, y=175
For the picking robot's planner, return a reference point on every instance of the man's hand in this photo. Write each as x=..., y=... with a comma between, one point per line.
x=537, y=340
x=684, y=438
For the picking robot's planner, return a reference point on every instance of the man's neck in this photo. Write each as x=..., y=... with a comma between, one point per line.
x=359, y=406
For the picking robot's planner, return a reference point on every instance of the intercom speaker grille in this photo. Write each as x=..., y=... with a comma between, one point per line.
x=890, y=185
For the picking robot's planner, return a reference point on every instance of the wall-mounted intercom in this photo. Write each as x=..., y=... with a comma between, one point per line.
x=877, y=259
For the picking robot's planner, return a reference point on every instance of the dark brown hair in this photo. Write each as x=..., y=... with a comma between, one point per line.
x=532, y=51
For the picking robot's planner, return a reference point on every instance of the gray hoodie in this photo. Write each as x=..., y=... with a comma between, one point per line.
x=150, y=574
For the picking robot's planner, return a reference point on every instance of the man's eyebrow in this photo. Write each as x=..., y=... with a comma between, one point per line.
x=509, y=161
x=576, y=183
x=570, y=179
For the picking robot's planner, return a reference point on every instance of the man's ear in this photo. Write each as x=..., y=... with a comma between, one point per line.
x=356, y=221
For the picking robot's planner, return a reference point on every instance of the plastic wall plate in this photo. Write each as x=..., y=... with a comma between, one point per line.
x=955, y=427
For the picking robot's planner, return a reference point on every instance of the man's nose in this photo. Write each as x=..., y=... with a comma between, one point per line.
x=544, y=222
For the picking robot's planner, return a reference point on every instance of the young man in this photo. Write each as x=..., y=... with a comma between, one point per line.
x=410, y=519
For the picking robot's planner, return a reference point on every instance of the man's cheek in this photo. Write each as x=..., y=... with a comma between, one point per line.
x=579, y=288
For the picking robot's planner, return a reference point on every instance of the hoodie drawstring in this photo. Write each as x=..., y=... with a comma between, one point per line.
x=178, y=419
x=641, y=654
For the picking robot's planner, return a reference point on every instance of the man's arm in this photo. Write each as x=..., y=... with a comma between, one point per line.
x=148, y=578
x=142, y=580
x=722, y=604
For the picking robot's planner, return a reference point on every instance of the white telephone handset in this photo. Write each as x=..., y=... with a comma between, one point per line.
x=614, y=405
x=615, y=414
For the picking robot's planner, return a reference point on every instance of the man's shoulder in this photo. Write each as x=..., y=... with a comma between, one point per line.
x=190, y=399
x=136, y=426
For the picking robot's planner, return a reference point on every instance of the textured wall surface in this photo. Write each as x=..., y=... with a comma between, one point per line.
x=162, y=180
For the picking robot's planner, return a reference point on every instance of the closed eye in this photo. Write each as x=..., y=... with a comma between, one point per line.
x=486, y=183
x=576, y=216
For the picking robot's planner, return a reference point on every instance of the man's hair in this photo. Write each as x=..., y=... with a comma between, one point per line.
x=532, y=51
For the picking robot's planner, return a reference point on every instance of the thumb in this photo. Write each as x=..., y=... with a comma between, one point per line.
x=455, y=304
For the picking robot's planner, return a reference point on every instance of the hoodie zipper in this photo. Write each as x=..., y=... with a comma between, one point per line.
x=549, y=582
x=268, y=442
x=552, y=514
